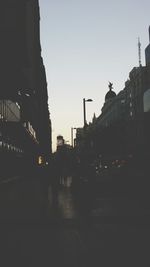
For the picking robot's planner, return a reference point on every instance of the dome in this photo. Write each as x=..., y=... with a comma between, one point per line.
x=110, y=94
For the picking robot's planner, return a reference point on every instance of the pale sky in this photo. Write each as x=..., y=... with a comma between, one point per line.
x=86, y=44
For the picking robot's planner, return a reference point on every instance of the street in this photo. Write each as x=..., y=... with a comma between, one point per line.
x=113, y=232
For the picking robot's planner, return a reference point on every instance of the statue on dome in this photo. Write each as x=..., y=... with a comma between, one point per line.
x=110, y=85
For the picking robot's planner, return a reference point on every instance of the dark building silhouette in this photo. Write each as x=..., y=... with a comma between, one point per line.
x=147, y=51
x=60, y=142
x=110, y=94
x=25, y=126
x=122, y=129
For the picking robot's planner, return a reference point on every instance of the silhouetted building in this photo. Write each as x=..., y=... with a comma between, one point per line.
x=147, y=51
x=122, y=128
x=60, y=142
x=110, y=94
x=24, y=115
x=113, y=109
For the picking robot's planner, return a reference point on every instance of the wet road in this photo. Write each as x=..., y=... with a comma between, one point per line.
x=67, y=235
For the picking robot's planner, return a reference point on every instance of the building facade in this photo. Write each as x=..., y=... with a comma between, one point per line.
x=122, y=129
x=24, y=114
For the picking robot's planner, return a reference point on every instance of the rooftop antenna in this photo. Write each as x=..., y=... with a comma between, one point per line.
x=139, y=51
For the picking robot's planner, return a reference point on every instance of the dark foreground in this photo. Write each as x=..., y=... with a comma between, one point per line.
x=73, y=229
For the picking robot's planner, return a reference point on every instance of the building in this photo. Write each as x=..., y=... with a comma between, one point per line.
x=60, y=142
x=24, y=115
x=147, y=51
x=113, y=109
x=121, y=130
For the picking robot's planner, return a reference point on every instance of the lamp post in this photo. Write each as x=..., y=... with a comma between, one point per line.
x=84, y=109
x=72, y=128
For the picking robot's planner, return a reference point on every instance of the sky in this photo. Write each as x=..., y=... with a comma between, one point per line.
x=85, y=44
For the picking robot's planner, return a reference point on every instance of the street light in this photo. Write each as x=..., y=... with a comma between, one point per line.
x=84, y=109
x=72, y=128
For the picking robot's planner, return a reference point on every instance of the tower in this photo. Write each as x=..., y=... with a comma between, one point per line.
x=139, y=52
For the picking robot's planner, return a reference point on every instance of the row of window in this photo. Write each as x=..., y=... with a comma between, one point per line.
x=29, y=127
x=10, y=147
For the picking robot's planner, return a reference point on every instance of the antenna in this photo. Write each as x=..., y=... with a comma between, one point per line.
x=139, y=51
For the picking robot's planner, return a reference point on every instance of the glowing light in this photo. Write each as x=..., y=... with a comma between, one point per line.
x=40, y=160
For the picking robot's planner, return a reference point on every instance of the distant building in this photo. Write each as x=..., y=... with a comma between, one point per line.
x=60, y=141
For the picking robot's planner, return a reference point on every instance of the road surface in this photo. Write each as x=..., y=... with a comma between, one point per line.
x=114, y=231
